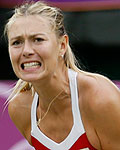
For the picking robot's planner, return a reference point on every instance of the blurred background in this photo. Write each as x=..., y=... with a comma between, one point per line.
x=94, y=30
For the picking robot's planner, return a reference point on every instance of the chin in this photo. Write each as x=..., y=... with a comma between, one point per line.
x=29, y=78
x=32, y=77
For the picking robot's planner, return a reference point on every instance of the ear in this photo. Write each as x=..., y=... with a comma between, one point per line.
x=63, y=45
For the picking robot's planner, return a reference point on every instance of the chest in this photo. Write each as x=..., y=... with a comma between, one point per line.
x=57, y=128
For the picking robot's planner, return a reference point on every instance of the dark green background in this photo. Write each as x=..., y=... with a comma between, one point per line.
x=94, y=38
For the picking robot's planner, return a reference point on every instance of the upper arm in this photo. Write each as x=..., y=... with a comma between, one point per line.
x=100, y=110
x=19, y=112
x=15, y=113
x=105, y=110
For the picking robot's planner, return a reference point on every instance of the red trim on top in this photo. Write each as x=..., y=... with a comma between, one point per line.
x=81, y=143
x=37, y=145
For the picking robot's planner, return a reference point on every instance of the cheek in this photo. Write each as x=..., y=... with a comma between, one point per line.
x=14, y=55
x=10, y=54
x=45, y=52
x=48, y=51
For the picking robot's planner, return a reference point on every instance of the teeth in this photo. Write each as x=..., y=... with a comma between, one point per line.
x=31, y=64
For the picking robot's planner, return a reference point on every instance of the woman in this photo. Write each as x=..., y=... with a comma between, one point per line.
x=55, y=105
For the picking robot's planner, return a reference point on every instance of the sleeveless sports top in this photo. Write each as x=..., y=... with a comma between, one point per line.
x=76, y=139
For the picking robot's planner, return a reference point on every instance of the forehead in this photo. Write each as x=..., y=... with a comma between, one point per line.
x=26, y=25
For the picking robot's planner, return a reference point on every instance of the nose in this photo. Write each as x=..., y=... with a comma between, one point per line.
x=27, y=49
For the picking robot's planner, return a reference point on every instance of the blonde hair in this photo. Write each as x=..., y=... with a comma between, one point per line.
x=56, y=19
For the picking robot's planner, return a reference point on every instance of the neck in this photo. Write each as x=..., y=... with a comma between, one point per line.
x=49, y=88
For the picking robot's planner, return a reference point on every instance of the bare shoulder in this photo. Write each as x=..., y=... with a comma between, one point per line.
x=19, y=109
x=101, y=106
x=97, y=88
x=96, y=92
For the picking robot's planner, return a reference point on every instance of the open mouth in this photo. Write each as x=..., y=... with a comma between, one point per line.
x=30, y=65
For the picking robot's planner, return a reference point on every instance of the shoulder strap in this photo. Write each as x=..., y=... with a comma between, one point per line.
x=74, y=98
x=33, y=111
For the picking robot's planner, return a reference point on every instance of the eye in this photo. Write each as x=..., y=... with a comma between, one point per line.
x=37, y=40
x=17, y=43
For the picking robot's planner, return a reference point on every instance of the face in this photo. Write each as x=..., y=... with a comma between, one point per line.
x=33, y=48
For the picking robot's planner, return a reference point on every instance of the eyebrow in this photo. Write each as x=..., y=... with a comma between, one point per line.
x=32, y=35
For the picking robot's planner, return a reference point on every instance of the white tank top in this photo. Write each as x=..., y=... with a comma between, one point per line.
x=77, y=129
